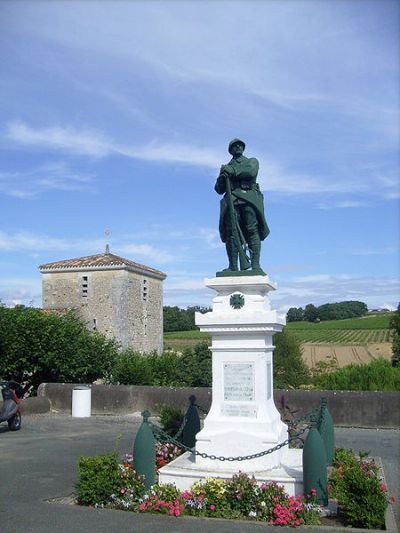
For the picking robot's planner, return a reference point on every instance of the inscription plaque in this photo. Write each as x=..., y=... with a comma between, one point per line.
x=239, y=382
x=246, y=411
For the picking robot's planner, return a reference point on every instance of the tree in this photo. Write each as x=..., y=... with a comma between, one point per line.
x=290, y=371
x=310, y=313
x=395, y=327
x=36, y=347
x=295, y=314
x=177, y=319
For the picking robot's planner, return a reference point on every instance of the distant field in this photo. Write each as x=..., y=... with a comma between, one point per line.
x=364, y=330
x=371, y=329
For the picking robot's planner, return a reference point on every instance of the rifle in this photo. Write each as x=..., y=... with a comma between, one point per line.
x=236, y=230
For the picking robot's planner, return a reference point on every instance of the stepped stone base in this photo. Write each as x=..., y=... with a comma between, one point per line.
x=184, y=471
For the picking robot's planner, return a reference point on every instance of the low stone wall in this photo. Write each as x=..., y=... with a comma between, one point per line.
x=348, y=408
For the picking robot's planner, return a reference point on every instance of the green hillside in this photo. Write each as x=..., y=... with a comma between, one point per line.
x=367, y=329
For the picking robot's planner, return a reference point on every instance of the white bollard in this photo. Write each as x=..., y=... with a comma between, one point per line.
x=81, y=402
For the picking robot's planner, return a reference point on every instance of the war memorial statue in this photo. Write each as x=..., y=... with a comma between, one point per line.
x=242, y=223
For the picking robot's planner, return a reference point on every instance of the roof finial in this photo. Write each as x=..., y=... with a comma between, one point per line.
x=107, y=233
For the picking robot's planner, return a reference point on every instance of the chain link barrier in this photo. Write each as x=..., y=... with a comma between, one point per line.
x=164, y=437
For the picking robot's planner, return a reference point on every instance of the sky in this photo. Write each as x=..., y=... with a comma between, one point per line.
x=115, y=118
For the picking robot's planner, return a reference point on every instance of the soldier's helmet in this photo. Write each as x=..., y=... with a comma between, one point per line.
x=234, y=141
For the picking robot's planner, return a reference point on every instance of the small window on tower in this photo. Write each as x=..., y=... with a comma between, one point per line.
x=84, y=287
x=145, y=290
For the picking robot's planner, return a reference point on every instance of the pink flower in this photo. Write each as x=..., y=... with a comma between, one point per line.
x=313, y=493
x=212, y=507
x=383, y=487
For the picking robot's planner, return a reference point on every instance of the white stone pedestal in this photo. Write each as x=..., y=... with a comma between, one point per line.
x=243, y=419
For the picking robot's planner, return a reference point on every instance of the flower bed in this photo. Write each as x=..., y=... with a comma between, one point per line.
x=104, y=481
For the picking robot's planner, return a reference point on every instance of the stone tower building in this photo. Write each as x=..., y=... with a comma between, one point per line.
x=114, y=296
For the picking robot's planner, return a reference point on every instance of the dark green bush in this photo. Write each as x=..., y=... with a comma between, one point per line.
x=191, y=369
x=290, y=371
x=38, y=347
x=195, y=366
x=99, y=477
x=356, y=485
x=379, y=375
x=171, y=419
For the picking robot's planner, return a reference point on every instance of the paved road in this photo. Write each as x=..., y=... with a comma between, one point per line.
x=38, y=464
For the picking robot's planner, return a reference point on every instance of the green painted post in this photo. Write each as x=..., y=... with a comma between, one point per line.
x=192, y=425
x=327, y=432
x=314, y=465
x=144, y=452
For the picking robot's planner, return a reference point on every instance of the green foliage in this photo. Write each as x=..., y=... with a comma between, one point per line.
x=290, y=371
x=134, y=368
x=295, y=314
x=378, y=375
x=395, y=327
x=241, y=493
x=99, y=477
x=355, y=483
x=39, y=347
x=310, y=313
x=195, y=367
x=171, y=419
x=191, y=369
x=334, y=311
x=177, y=319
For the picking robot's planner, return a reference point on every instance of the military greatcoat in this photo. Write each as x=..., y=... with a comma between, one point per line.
x=245, y=190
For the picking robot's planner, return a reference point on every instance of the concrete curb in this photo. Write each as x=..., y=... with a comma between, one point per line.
x=36, y=405
x=348, y=408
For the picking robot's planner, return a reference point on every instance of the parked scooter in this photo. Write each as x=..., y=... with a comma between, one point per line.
x=10, y=410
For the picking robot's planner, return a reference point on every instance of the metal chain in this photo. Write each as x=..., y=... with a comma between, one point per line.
x=304, y=418
x=158, y=432
x=180, y=430
x=204, y=411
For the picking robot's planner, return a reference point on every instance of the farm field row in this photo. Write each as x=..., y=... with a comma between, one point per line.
x=341, y=336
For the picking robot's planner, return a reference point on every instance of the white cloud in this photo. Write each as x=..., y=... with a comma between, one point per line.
x=84, y=141
x=389, y=250
x=27, y=241
x=145, y=250
x=325, y=288
x=51, y=176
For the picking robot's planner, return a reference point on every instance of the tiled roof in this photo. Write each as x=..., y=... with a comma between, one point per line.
x=100, y=262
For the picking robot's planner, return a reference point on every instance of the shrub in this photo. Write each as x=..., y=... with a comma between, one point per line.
x=171, y=419
x=377, y=375
x=99, y=477
x=195, y=367
x=395, y=327
x=36, y=347
x=104, y=480
x=290, y=371
x=360, y=493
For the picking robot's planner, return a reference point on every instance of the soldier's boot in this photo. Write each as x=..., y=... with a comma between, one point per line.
x=232, y=253
x=255, y=250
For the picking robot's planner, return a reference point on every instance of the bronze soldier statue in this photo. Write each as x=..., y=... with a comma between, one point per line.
x=242, y=223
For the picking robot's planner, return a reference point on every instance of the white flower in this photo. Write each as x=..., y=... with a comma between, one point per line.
x=252, y=514
x=263, y=504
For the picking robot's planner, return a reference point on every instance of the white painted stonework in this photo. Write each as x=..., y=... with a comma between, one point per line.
x=243, y=419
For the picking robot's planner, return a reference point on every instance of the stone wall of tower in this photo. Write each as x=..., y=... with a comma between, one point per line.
x=119, y=303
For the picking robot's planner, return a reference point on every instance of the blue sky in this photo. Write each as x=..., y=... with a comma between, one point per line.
x=117, y=115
